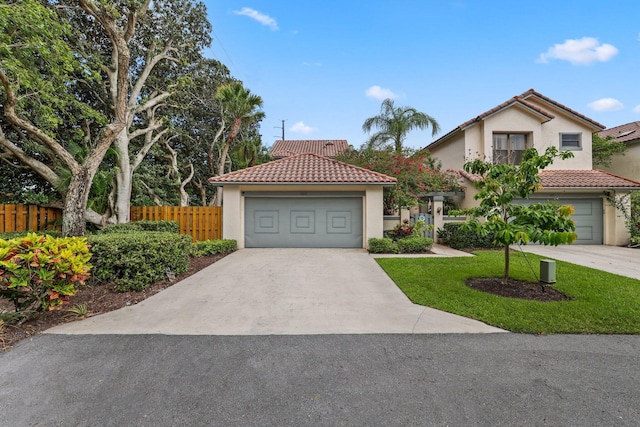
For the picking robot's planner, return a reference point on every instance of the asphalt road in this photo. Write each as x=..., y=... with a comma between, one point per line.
x=321, y=380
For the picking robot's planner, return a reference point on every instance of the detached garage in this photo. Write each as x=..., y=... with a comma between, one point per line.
x=303, y=201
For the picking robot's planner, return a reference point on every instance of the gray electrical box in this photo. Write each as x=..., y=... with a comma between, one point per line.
x=547, y=271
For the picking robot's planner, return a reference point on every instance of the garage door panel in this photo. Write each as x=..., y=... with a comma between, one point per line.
x=266, y=222
x=585, y=233
x=339, y=222
x=305, y=222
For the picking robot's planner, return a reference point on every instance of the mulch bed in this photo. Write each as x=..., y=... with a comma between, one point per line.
x=517, y=289
x=98, y=298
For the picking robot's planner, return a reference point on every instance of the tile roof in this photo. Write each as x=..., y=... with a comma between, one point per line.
x=520, y=100
x=584, y=179
x=321, y=147
x=575, y=179
x=624, y=133
x=305, y=168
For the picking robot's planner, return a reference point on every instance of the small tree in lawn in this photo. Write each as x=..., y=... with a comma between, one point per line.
x=546, y=223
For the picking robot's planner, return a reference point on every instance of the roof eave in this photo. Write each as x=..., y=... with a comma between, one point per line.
x=221, y=184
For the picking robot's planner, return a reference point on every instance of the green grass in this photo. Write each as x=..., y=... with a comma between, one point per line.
x=602, y=303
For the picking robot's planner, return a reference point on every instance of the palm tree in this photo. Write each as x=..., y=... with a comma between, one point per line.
x=240, y=107
x=394, y=123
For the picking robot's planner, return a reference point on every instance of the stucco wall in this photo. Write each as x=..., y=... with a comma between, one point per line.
x=452, y=154
x=627, y=166
x=233, y=207
x=563, y=123
x=615, y=229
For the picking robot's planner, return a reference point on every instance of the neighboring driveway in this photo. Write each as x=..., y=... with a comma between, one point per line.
x=280, y=291
x=613, y=259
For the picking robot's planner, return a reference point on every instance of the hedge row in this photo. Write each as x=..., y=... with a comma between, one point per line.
x=455, y=236
x=135, y=260
x=402, y=246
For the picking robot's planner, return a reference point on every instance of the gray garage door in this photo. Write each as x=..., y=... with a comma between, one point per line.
x=303, y=222
x=588, y=218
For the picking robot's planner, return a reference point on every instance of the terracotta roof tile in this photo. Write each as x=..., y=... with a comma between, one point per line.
x=306, y=168
x=624, y=133
x=321, y=147
x=575, y=179
x=584, y=179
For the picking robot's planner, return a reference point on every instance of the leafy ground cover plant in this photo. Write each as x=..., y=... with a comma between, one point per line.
x=40, y=272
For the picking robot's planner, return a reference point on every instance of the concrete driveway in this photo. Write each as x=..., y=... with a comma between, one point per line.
x=280, y=291
x=613, y=259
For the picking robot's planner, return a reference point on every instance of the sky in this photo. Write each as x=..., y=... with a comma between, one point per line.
x=325, y=66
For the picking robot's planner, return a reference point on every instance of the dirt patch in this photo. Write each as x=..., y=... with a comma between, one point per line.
x=98, y=299
x=517, y=289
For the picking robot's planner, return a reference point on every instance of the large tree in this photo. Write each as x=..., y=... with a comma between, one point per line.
x=88, y=74
x=516, y=223
x=393, y=124
x=239, y=107
x=41, y=114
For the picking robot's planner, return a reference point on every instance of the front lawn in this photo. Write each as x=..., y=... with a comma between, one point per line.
x=602, y=303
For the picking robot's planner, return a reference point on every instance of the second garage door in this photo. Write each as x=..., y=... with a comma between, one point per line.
x=303, y=222
x=587, y=217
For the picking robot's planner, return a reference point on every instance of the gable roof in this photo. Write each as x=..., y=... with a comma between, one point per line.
x=575, y=179
x=305, y=168
x=626, y=133
x=321, y=147
x=521, y=102
x=532, y=93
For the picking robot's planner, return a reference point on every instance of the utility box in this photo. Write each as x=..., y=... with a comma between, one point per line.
x=547, y=271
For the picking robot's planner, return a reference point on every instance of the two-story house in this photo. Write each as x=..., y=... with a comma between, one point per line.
x=502, y=133
x=628, y=163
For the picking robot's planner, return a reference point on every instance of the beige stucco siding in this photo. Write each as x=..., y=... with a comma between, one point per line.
x=627, y=166
x=233, y=207
x=452, y=154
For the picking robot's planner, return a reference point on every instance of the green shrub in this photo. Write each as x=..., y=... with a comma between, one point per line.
x=382, y=246
x=13, y=234
x=144, y=225
x=453, y=235
x=412, y=245
x=40, y=272
x=134, y=261
x=212, y=247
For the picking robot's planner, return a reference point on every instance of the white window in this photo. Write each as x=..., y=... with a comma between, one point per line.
x=508, y=147
x=570, y=141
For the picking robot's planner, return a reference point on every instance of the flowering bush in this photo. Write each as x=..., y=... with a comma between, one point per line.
x=416, y=174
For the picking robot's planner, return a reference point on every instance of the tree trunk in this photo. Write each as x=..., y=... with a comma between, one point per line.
x=75, y=203
x=124, y=176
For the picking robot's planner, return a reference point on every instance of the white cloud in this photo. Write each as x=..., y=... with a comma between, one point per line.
x=300, y=127
x=606, y=104
x=312, y=64
x=580, y=51
x=636, y=109
x=260, y=17
x=380, y=93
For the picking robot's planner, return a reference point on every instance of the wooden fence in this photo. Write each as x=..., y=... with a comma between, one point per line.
x=29, y=218
x=201, y=222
